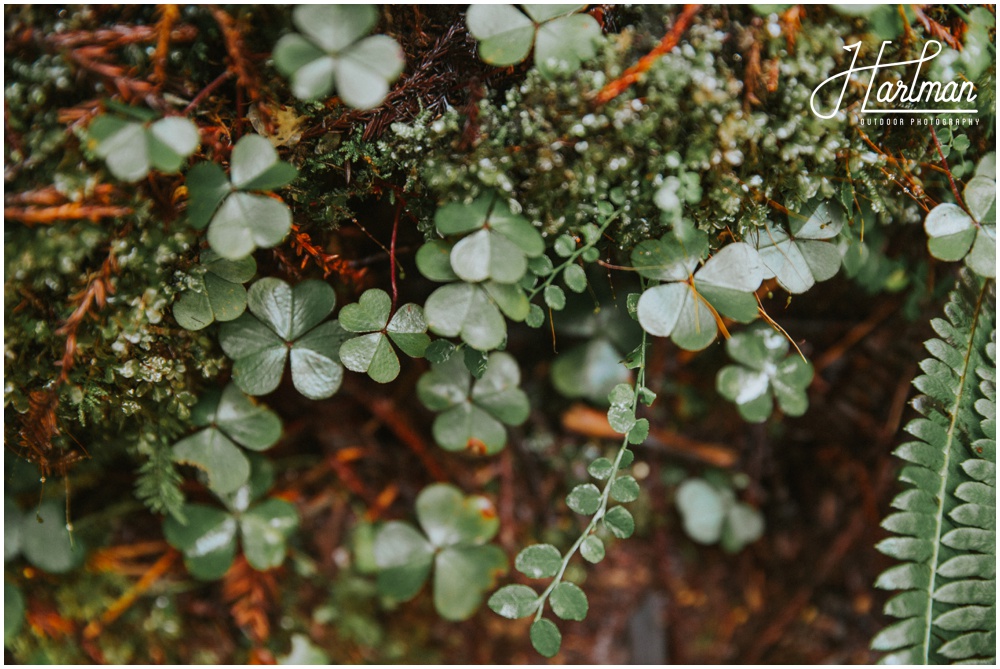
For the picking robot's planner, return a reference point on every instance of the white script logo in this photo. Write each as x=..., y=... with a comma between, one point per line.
x=919, y=93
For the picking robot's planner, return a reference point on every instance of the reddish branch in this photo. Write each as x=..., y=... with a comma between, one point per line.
x=73, y=211
x=951, y=179
x=251, y=596
x=94, y=295
x=239, y=61
x=935, y=29
x=670, y=40
x=122, y=604
x=168, y=17
x=329, y=263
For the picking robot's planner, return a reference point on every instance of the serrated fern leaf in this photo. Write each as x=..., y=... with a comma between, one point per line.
x=158, y=483
x=945, y=521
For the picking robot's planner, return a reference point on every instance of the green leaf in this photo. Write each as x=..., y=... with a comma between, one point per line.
x=744, y=525
x=466, y=310
x=601, y=468
x=215, y=454
x=371, y=353
x=316, y=368
x=584, y=499
x=434, y=261
x=498, y=393
x=222, y=296
x=510, y=298
x=805, y=256
x=514, y=601
x=505, y=34
x=569, y=602
x=245, y=422
x=304, y=652
x=171, y=140
x=255, y=165
x=702, y=509
x=592, y=549
x=951, y=232
x=545, y=637
x=125, y=151
x=207, y=540
x=404, y=558
x=450, y=518
x=625, y=489
x=462, y=574
x=245, y=222
x=439, y=351
x=207, y=187
x=575, y=278
x=621, y=418
x=333, y=53
x=13, y=612
x=589, y=370
x=365, y=71
x=12, y=519
x=619, y=522
x=561, y=45
x=46, y=541
x=667, y=259
x=555, y=298
x=539, y=561
x=370, y=314
x=265, y=528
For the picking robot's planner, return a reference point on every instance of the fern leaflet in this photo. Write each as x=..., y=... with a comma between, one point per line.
x=945, y=521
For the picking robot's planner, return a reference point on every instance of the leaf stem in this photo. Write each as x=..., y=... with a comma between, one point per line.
x=640, y=381
x=573, y=257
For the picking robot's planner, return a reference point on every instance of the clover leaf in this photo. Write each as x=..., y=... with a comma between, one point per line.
x=803, y=255
x=218, y=294
x=954, y=235
x=131, y=148
x=208, y=539
x=453, y=542
x=330, y=53
x=42, y=537
x=765, y=373
x=685, y=309
x=500, y=246
x=13, y=612
x=711, y=513
x=466, y=310
x=562, y=38
x=283, y=323
x=372, y=353
x=240, y=221
x=473, y=414
x=228, y=418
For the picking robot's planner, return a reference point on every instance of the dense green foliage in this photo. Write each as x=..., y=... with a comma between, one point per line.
x=186, y=272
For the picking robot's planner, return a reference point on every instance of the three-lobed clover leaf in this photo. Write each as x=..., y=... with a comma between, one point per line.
x=685, y=309
x=765, y=373
x=473, y=413
x=472, y=312
x=238, y=220
x=372, y=352
x=803, y=255
x=499, y=246
x=712, y=514
x=209, y=537
x=562, y=38
x=456, y=530
x=42, y=537
x=330, y=53
x=131, y=148
x=228, y=417
x=954, y=235
x=284, y=323
x=218, y=294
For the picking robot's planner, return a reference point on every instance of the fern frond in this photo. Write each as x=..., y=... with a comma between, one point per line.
x=945, y=521
x=158, y=483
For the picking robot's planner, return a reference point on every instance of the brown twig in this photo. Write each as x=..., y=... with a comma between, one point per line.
x=251, y=595
x=205, y=92
x=168, y=16
x=670, y=40
x=120, y=605
x=951, y=178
